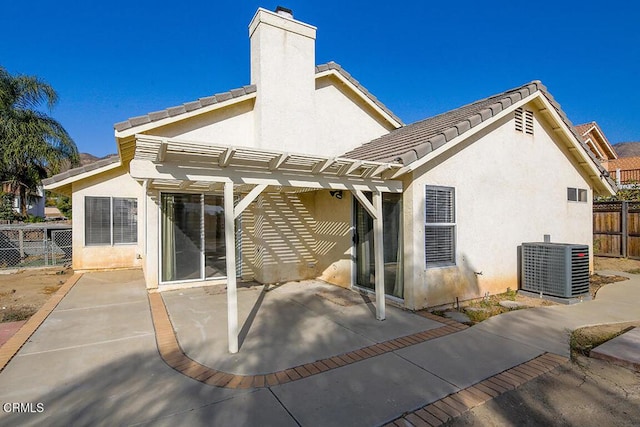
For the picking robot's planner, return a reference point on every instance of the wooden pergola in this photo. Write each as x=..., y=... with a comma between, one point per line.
x=166, y=163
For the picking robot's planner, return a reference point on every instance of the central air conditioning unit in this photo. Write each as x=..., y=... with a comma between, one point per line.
x=555, y=269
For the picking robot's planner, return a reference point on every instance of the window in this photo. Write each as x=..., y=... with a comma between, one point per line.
x=440, y=226
x=524, y=121
x=576, y=194
x=110, y=221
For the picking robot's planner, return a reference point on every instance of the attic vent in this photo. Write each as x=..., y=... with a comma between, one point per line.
x=524, y=124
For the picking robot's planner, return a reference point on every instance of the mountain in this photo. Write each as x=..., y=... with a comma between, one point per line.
x=627, y=149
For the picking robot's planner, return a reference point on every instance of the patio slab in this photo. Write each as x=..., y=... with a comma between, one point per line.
x=623, y=350
x=469, y=356
x=367, y=393
x=322, y=329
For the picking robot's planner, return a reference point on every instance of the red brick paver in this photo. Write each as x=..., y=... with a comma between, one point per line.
x=439, y=412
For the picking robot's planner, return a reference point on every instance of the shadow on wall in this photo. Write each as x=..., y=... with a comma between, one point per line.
x=282, y=238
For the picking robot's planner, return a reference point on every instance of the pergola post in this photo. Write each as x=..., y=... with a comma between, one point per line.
x=230, y=249
x=378, y=249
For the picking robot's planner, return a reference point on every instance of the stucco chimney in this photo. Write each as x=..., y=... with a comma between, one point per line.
x=283, y=70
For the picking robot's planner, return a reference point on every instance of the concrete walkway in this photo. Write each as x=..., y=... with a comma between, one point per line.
x=96, y=360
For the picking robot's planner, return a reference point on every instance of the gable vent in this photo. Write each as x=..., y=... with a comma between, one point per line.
x=524, y=121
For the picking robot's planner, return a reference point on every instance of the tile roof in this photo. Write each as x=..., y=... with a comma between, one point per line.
x=583, y=128
x=411, y=142
x=235, y=93
x=80, y=170
x=184, y=108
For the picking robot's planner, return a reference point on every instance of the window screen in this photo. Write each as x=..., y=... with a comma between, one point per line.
x=97, y=220
x=125, y=221
x=439, y=226
x=110, y=221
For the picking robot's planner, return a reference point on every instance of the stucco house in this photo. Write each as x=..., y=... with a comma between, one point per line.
x=305, y=174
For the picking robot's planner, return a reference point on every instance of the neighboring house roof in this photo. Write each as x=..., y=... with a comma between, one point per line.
x=623, y=163
x=415, y=141
x=596, y=140
x=237, y=93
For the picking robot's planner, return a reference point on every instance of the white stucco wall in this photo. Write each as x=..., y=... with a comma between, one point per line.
x=510, y=188
x=232, y=125
x=114, y=183
x=342, y=121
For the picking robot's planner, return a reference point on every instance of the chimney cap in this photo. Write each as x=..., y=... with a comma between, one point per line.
x=284, y=11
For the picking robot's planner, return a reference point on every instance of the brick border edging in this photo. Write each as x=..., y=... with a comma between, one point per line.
x=455, y=404
x=172, y=353
x=15, y=343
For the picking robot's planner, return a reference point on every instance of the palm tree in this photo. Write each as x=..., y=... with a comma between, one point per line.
x=32, y=144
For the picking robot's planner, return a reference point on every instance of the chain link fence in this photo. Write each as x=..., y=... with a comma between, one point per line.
x=24, y=246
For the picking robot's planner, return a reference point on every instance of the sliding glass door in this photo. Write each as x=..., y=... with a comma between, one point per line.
x=192, y=237
x=392, y=236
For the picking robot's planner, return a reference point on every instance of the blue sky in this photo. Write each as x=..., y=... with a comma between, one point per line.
x=113, y=60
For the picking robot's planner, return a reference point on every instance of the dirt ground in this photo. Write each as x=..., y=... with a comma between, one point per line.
x=23, y=292
x=619, y=264
x=588, y=392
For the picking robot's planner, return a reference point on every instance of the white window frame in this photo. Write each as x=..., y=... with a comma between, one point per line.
x=449, y=225
x=580, y=195
x=111, y=219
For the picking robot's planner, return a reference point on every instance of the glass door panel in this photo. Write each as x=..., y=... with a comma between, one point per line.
x=214, y=243
x=393, y=247
x=181, y=234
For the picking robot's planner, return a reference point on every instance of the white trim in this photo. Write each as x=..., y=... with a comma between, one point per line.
x=360, y=94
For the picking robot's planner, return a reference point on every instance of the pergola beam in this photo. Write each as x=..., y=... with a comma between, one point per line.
x=366, y=204
x=246, y=201
x=226, y=156
x=278, y=161
x=162, y=151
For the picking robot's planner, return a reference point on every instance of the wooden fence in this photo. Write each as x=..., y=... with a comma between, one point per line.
x=616, y=229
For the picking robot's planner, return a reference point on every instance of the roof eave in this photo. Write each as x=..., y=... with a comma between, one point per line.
x=141, y=128
x=57, y=183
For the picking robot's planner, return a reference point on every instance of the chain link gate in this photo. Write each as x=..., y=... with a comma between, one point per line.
x=25, y=246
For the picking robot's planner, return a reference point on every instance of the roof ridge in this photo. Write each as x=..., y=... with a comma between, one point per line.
x=185, y=108
x=236, y=93
x=332, y=65
x=441, y=128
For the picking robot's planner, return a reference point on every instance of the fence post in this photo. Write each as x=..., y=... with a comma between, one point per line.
x=21, y=243
x=624, y=211
x=45, y=248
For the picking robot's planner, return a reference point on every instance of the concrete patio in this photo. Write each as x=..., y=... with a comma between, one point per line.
x=96, y=360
